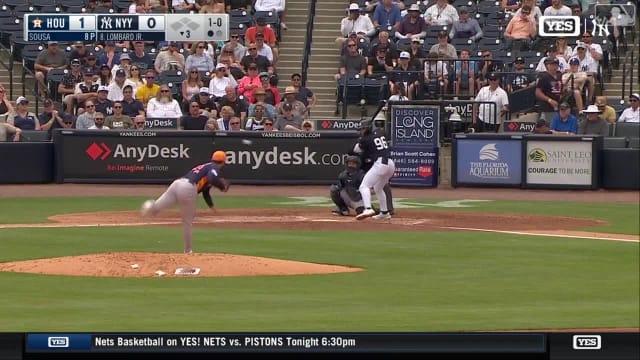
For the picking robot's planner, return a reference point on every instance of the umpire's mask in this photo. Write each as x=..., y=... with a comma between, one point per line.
x=353, y=163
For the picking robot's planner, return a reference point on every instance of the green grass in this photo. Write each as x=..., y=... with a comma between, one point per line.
x=451, y=281
x=413, y=281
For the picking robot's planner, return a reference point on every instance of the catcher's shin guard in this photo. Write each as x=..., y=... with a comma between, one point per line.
x=334, y=192
x=387, y=192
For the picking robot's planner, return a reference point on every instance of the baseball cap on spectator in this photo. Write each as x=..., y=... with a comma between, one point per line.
x=264, y=74
x=551, y=60
x=416, y=39
x=354, y=7
x=121, y=73
x=91, y=55
x=88, y=72
x=221, y=66
x=552, y=48
x=635, y=96
x=47, y=102
x=287, y=107
x=442, y=34
x=204, y=90
x=103, y=88
x=414, y=7
x=290, y=90
x=574, y=61
x=260, y=91
x=405, y=55
x=353, y=33
x=52, y=43
x=463, y=10
x=261, y=20
x=492, y=76
x=22, y=99
x=519, y=60
x=565, y=105
x=124, y=56
x=581, y=45
x=591, y=109
x=75, y=62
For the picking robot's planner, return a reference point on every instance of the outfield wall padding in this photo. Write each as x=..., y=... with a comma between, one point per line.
x=26, y=162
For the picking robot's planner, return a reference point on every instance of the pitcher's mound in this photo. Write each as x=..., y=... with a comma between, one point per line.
x=141, y=264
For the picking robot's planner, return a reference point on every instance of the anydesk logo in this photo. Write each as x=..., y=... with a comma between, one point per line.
x=340, y=124
x=102, y=151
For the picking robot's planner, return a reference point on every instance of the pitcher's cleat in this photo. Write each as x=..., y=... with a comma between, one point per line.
x=145, y=210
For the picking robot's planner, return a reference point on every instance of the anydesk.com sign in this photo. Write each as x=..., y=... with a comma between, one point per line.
x=128, y=156
x=280, y=157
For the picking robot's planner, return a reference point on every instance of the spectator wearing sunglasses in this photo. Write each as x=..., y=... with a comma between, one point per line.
x=139, y=122
x=150, y=88
x=632, y=113
x=164, y=105
x=198, y=58
x=22, y=118
x=259, y=116
x=269, y=125
x=98, y=122
x=220, y=81
x=253, y=57
x=233, y=48
x=118, y=120
x=248, y=84
x=194, y=120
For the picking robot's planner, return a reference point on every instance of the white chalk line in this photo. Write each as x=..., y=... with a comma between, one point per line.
x=540, y=234
x=300, y=219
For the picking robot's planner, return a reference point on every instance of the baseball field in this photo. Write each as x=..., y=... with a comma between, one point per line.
x=80, y=258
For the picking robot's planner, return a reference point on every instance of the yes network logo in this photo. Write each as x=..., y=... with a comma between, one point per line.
x=554, y=26
x=587, y=342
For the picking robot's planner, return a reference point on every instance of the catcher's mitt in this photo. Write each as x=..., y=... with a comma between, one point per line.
x=225, y=185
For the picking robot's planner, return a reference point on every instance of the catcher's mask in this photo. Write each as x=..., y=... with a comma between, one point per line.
x=353, y=163
x=219, y=156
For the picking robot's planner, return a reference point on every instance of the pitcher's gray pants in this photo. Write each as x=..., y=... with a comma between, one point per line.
x=183, y=193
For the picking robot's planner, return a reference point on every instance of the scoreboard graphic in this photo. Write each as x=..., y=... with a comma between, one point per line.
x=125, y=27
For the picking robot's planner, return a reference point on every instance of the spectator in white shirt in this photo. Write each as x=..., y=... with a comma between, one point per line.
x=441, y=13
x=557, y=9
x=163, y=105
x=593, y=50
x=272, y=5
x=221, y=79
x=488, y=114
x=98, y=122
x=117, y=85
x=264, y=49
x=361, y=25
x=632, y=113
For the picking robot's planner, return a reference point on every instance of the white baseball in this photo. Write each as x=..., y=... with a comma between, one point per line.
x=247, y=141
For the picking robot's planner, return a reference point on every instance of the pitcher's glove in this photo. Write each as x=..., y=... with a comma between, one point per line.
x=225, y=185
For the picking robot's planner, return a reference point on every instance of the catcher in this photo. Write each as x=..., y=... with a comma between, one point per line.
x=184, y=191
x=345, y=193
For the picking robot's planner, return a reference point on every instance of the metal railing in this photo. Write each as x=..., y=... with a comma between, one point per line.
x=308, y=41
x=630, y=73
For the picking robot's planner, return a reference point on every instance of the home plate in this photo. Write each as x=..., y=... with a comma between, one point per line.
x=187, y=271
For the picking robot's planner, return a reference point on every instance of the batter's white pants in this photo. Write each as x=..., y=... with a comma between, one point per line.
x=377, y=177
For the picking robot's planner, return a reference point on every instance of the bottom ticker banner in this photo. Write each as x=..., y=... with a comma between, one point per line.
x=498, y=345
x=415, y=165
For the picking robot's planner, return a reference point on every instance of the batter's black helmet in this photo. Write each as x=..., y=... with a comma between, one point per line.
x=366, y=126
